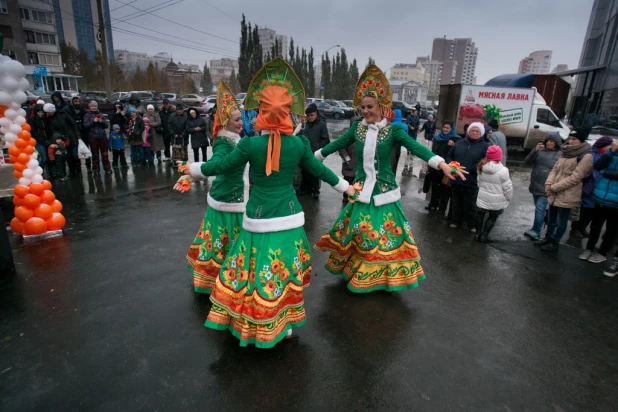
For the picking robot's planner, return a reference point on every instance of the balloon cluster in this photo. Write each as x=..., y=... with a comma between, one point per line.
x=36, y=208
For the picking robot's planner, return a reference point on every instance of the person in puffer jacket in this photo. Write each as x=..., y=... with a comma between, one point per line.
x=495, y=192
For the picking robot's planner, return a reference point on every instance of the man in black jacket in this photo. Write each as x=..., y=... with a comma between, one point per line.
x=165, y=112
x=316, y=131
x=61, y=105
x=468, y=152
x=63, y=123
x=77, y=113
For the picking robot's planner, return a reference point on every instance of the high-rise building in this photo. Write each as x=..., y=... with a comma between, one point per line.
x=222, y=69
x=462, y=53
x=538, y=62
x=560, y=68
x=433, y=68
x=129, y=61
x=268, y=37
x=77, y=22
x=597, y=75
x=407, y=71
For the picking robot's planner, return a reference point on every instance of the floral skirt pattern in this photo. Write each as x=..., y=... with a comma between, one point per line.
x=258, y=295
x=206, y=255
x=372, y=248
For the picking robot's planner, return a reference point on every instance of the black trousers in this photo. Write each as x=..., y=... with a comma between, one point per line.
x=440, y=193
x=167, y=141
x=311, y=184
x=463, y=203
x=483, y=227
x=196, y=154
x=609, y=217
x=118, y=157
x=59, y=166
x=585, y=217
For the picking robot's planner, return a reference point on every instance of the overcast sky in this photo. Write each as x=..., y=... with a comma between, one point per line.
x=504, y=31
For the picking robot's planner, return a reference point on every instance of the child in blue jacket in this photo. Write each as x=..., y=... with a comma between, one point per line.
x=116, y=145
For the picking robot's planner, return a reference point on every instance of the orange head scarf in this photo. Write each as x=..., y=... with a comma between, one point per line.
x=275, y=104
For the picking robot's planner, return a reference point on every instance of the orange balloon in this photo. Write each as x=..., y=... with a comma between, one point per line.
x=23, y=158
x=23, y=213
x=46, y=184
x=17, y=174
x=48, y=197
x=12, y=159
x=32, y=201
x=36, y=188
x=21, y=190
x=29, y=150
x=20, y=167
x=17, y=226
x=56, y=206
x=31, y=142
x=35, y=226
x=26, y=126
x=14, y=151
x=24, y=134
x=18, y=201
x=43, y=211
x=56, y=221
x=21, y=143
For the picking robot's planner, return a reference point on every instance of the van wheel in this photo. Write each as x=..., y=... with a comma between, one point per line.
x=337, y=116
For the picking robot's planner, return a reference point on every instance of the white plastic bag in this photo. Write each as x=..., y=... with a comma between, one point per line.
x=82, y=150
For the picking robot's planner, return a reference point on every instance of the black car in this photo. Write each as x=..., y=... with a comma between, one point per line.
x=405, y=108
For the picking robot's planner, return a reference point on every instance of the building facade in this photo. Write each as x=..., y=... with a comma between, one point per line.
x=458, y=56
x=129, y=61
x=222, y=69
x=433, y=68
x=597, y=83
x=406, y=71
x=268, y=37
x=408, y=91
x=538, y=62
x=175, y=76
x=77, y=22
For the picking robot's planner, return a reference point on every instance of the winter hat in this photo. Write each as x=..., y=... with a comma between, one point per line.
x=93, y=104
x=41, y=102
x=603, y=141
x=49, y=108
x=150, y=107
x=494, y=152
x=479, y=126
x=132, y=110
x=115, y=127
x=580, y=133
x=146, y=120
x=312, y=108
x=429, y=117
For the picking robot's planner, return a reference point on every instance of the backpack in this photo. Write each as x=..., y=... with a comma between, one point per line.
x=588, y=182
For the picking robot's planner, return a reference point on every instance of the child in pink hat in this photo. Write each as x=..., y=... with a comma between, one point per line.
x=495, y=192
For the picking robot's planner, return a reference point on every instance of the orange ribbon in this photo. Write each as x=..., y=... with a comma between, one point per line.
x=274, y=116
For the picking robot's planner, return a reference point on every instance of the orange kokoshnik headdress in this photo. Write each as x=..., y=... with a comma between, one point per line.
x=374, y=83
x=275, y=90
x=226, y=104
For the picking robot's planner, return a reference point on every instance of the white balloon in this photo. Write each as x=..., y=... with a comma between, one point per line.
x=35, y=155
x=10, y=134
x=5, y=122
x=10, y=138
x=32, y=164
x=37, y=179
x=14, y=106
x=15, y=128
x=4, y=130
x=24, y=84
x=20, y=97
x=39, y=171
x=20, y=120
x=9, y=84
x=3, y=59
x=5, y=98
x=10, y=113
x=21, y=112
x=28, y=173
x=24, y=181
x=14, y=69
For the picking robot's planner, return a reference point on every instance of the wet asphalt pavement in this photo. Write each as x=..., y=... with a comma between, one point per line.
x=104, y=318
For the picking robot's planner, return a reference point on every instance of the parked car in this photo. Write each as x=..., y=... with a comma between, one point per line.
x=315, y=100
x=405, y=108
x=105, y=106
x=349, y=112
x=192, y=99
x=99, y=92
x=327, y=110
x=349, y=103
x=208, y=103
x=239, y=96
x=120, y=96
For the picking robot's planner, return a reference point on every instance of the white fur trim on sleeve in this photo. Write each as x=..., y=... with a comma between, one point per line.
x=318, y=155
x=435, y=161
x=342, y=186
x=195, y=169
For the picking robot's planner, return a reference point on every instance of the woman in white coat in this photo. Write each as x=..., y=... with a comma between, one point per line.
x=495, y=192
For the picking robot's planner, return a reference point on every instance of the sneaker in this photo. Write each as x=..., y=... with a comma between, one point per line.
x=454, y=226
x=613, y=269
x=542, y=242
x=597, y=258
x=551, y=246
x=585, y=255
x=473, y=230
x=532, y=235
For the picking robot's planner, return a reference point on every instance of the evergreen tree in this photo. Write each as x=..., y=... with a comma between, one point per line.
x=152, y=80
x=256, y=55
x=310, y=86
x=371, y=61
x=139, y=80
x=291, y=52
x=326, y=76
x=244, y=59
x=207, y=83
x=354, y=74
x=234, y=83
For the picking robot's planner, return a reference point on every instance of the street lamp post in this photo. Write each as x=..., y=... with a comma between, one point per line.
x=322, y=58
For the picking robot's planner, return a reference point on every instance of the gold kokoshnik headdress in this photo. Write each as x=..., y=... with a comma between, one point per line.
x=226, y=104
x=374, y=83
